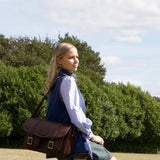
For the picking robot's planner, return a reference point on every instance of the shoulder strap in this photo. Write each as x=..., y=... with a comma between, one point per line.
x=45, y=96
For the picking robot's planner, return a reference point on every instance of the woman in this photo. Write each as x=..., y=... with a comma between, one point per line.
x=66, y=104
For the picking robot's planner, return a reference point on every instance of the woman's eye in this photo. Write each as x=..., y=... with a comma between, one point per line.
x=73, y=57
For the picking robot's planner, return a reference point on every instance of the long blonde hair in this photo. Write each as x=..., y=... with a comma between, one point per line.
x=54, y=68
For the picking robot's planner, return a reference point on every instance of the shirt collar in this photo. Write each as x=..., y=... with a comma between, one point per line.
x=63, y=71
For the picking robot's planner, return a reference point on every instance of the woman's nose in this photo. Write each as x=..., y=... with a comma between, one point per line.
x=76, y=60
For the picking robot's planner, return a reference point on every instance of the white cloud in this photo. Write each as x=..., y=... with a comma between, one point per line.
x=129, y=38
x=127, y=35
x=119, y=63
x=111, y=61
x=129, y=17
x=136, y=64
x=133, y=80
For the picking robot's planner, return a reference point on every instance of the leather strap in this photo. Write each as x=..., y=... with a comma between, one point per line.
x=45, y=96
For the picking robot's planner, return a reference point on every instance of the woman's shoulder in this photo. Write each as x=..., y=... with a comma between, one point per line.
x=68, y=80
x=67, y=83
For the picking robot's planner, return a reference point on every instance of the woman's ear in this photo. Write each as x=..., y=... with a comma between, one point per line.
x=58, y=60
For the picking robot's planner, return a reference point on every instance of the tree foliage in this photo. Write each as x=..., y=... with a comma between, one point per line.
x=25, y=52
x=90, y=62
x=20, y=92
x=118, y=111
x=30, y=52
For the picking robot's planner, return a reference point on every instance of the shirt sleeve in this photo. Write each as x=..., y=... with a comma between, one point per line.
x=71, y=99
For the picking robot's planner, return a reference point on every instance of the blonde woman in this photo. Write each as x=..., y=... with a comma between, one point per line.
x=70, y=108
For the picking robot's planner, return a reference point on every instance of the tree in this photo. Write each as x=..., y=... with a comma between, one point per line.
x=157, y=98
x=151, y=133
x=118, y=111
x=98, y=108
x=6, y=126
x=21, y=90
x=25, y=52
x=90, y=62
x=30, y=52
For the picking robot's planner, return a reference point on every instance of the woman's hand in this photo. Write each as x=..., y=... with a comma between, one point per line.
x=97, y=139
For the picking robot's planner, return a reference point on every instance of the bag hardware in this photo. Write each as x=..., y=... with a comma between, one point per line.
x=50, y=145
x=29, y=140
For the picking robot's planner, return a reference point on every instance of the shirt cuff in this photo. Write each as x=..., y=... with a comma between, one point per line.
x=89, y=136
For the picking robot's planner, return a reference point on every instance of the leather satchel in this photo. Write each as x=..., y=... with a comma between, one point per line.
x=53, y=138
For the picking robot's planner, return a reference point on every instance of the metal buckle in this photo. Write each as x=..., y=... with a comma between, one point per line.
x=29, y=140
x=50, y=145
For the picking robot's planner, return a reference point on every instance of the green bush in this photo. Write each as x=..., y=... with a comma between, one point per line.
x=99, y=109
x=6, y=126
x=119, y=112
x=21, y=91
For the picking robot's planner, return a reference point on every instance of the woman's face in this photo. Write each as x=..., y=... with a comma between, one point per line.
x=70, y=60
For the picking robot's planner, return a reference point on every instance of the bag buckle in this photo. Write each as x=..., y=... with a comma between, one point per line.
x=29, y=140
x=50, y=145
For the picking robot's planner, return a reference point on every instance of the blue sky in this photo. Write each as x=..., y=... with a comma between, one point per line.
x=125, y=32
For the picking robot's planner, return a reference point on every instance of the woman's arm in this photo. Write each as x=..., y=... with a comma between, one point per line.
x=71, y=99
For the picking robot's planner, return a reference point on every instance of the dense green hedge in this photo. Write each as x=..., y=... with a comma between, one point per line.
x=120, y=113
x=21, y=90
x=117, y=111
x=24, y=51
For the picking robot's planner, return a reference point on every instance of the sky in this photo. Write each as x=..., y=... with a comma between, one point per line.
x=126, y=33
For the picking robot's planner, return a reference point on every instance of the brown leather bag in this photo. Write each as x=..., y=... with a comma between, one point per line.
x=49, y=137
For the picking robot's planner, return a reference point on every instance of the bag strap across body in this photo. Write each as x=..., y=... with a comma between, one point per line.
x=45, y=96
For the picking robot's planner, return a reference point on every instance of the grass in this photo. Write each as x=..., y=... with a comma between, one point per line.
x=22, y=154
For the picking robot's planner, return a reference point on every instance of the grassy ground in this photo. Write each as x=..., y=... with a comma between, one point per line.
x=21, y=154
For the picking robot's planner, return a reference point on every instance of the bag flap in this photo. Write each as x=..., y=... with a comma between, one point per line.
x=46, y=129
